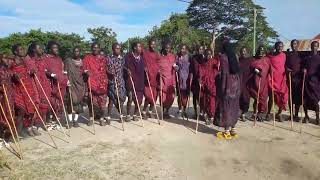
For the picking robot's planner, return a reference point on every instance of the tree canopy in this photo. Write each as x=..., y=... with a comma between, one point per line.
x=178, y=31
x=104, y=36
x=232, y=18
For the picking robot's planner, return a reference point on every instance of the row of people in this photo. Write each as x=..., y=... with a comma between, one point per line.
x=220, y=84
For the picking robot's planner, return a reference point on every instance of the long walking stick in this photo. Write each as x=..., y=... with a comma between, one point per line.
x=199, y=108
x=273, y=108
x=179, y=91
x=119, y=106
x=64, y=107
x=302, y=99
x=71, y=100
x=37, y=111
x=188, y=101
x=257, y=105
x=152, y=96
x=11, y=115
x=12, y=134
x=291, y=104
x=161, y=98
x=135, y=94
x=47, y=98
x=92, y=109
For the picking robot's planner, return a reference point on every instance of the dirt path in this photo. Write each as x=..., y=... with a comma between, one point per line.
x=172, y=151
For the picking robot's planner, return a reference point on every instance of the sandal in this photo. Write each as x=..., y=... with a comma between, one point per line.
x=227, y=135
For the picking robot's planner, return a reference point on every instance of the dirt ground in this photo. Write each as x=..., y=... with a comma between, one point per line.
x=171, y=151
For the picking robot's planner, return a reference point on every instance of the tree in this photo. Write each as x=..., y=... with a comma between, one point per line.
x=178, y=31
x=104, y=36
x=66, y=41
x=232, y=18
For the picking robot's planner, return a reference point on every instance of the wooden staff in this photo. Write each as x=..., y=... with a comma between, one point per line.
x=63, y=106
x=302, y=99
x=188, y=101
x=12, y=134
x=199, y=108
x=47, y=98
x=152, y=96
x=291, y=104
x=71, y=100
x=161, y=98
x=11, y=115
x=179, y=92
x=119, y=106
x=257, y=105
x=273, y=109
x=135, y=94
x=92, y=109
x=37, y=111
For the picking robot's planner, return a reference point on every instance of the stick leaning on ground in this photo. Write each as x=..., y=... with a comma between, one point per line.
x=118, y=98
x=179, y=92
x=11, y=116
x=272, y=91
x=199, y=108
x=64, y=107
x=47, y=98
x=37, y=111
x=257, y=105
x=135, y=94
x=152, y=96
x=302, y=99
x=291, y=104
x=11, y=131
x=91, y=100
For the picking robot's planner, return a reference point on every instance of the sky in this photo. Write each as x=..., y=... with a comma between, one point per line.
x=129, y=18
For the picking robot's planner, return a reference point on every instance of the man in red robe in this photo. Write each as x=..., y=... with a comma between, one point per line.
x=244, y=62
x=278, y=80
x=197, y=59
x=25, y=111
x=95, y=68
x=208, y=73
x=35, y=61
x=134, y=66
x=55, y=70
x=5, y=79
x=259, y=73
x=151, y=58
x=167, y=78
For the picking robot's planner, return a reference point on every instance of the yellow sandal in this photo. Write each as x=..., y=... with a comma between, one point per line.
x=227, y=135
x=220, y=135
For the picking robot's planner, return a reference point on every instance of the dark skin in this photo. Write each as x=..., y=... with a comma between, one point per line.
x=278, y=48
x=201, y=50
x=54, y=50
x=152, y=46
x=243, y=53
x=76, y=54
x=116, y=52
x=314, y=48
x=95, y=49
x=294, y=46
